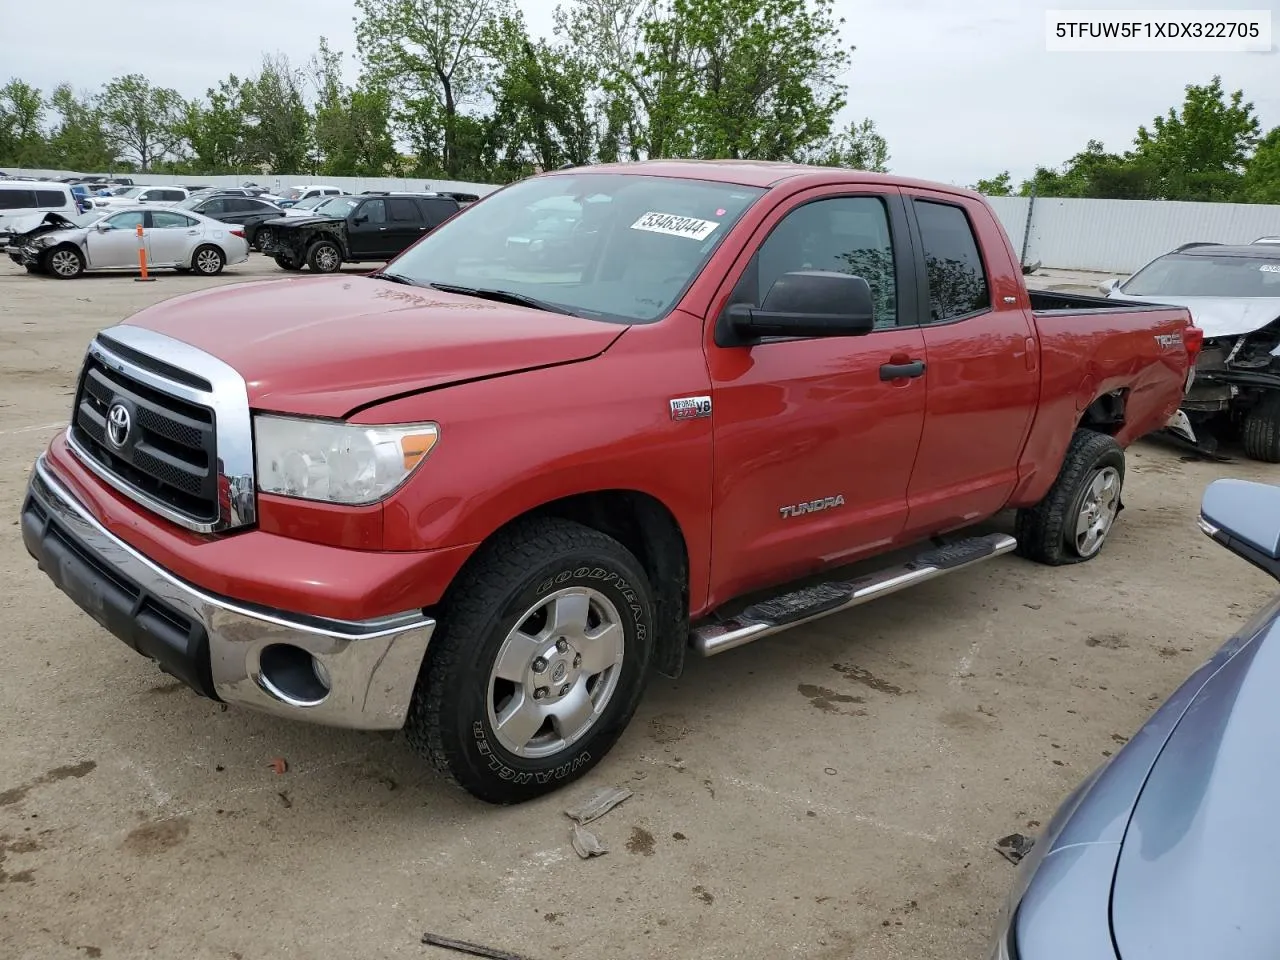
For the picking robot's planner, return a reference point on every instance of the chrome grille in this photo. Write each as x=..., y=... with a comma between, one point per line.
x=167, y=425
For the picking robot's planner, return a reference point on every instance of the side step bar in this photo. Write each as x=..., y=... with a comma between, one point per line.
x=823, y=599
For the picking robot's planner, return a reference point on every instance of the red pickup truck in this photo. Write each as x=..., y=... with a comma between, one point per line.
x=481, y=493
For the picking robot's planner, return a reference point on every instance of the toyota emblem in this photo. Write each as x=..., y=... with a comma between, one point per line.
x=119, y=423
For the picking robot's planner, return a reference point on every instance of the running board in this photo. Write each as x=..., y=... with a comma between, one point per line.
x=823, y=599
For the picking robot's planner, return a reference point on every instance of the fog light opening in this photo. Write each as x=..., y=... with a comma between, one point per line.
x=293, y=675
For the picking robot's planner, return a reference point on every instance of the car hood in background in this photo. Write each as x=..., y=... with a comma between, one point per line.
x=324, y=346
x=1220, y=316
x=1200, y=863
x=307, y=220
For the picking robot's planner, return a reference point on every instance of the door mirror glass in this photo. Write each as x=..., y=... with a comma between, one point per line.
x=1244, y=517
x=808, y=303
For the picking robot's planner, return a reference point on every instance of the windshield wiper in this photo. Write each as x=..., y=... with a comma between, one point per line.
x=394, y=278
x=503, y=296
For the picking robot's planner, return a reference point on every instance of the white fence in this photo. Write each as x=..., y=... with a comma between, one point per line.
x=1119, y=236
x=274, y=182
x=1114, y=236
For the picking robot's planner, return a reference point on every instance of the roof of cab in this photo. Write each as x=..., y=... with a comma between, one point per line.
x=757, y=173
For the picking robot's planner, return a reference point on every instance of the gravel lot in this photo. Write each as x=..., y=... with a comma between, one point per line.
x=832, y=792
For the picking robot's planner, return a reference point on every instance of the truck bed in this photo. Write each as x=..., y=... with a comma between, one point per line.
x=1050, y=302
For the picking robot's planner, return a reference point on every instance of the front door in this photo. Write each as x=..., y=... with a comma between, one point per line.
x=983, y=367
x=117, y=245
x=367, y=230
x=813, y=447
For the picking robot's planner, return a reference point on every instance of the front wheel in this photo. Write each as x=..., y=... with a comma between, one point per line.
x=65, y=263
x=1072, y=522
x=324, y=257
x=1261, y=434
x=285, y=263
x=540, y=659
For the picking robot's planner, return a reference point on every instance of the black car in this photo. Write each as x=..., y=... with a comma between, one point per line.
x=248, y=212
x=369, y=227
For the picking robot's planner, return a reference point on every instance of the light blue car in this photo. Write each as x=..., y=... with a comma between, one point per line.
x=1169, y=850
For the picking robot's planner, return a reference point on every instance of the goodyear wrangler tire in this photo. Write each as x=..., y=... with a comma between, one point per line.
x=539, y=661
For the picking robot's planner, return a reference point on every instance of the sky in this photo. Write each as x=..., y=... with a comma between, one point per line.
x=960, y=89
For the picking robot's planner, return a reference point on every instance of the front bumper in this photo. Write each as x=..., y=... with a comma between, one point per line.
x=237, y=653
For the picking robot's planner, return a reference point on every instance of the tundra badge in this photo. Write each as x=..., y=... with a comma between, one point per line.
x=813, y=506
x=689, y=408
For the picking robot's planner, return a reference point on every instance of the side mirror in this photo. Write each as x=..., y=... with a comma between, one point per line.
x=102, y=226
x=808, y=303
x=360, y=219
x=1244, y=517
x=1106, y=286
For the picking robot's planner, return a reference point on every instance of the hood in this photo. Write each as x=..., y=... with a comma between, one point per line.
x=1221, y=316
x=1200, y=862
x=32, y=227
x=304, y=221
x=324, y=346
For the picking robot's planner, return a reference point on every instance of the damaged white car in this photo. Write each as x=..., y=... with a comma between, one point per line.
x=1233, y=293
x=65, y=247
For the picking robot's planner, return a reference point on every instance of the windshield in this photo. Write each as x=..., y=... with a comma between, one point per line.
x=126, y=192
x=334, y=206
x=193, y=201
x=90, y=218
x=1180, y=275
x=310, y=203
x=619, y=247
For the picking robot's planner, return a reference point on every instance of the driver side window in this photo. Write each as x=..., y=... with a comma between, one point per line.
x=840, y=234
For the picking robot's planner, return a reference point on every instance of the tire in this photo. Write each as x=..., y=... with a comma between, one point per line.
x=65, y=262
x=284, y=263
x=324, y=257
x=208, y=260
x=1261, y=434
x=461, y=712
x=1091, y=480
x=262, y=237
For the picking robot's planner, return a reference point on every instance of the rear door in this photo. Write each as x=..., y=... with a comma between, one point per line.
x=983, y=375
x=172, y=235
x=813, y=446
x=405, y=223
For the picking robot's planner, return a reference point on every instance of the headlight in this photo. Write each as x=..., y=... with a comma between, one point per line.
x=337, y=462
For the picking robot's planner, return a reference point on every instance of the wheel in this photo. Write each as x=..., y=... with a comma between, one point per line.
x=324, y=256
x=540, y=658
x=284, y=263
x=65, y=263
x=1072, y=522
x=208, y=261
x=263, y=238
x=1261, y=434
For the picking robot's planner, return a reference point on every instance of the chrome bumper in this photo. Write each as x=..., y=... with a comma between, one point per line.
x=259, y=658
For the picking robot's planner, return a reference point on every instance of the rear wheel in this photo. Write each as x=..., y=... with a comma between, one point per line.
x=65, y=263
x=262, y=239
x=324, y=257
x=285, y=263
x=1072, y=522
x=538, y=664
x=1261, y=434
x=208, y=261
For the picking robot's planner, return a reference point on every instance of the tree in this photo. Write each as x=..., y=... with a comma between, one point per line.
x=1261, y=181
x=430, y=52
x=216, y=130
x=1200, y=151
x=142, y=122
x=857, y=147
x=277, y=123
x=750, y=79
x=352, y=127
x=78, y=140
x=1001, y=185
x=1095, y=173
x=22, y=109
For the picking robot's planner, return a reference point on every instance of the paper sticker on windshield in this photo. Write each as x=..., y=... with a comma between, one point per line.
x=1270, y=268
x=675, y=226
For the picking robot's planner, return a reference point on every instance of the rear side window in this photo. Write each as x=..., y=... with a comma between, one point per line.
x=402, y=209
x=17, y=199
x=51, y=200
x=438, y=211
x=168, y=218
x=172, y=195
x=957, y=280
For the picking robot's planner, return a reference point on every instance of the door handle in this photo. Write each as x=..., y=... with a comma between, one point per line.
x=382, y=228
x=896, y=371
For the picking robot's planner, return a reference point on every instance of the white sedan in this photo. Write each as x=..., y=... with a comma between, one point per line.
x=108, y=240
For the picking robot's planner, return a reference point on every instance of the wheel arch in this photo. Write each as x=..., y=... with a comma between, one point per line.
x=1106, y=414
x=646, y=526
